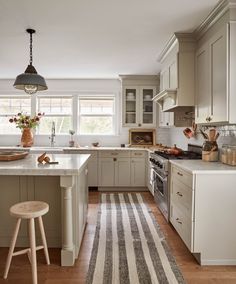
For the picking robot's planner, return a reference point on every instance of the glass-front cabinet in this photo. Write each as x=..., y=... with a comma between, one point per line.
x=139, y=110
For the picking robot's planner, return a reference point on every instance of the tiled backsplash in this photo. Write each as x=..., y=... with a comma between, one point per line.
x=174, y=135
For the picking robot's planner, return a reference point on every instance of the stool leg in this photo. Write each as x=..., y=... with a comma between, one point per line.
x=11, y=248
x=45, y=247
x=33, y=250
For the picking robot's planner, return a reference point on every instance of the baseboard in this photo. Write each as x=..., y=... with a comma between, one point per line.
x=218, y=261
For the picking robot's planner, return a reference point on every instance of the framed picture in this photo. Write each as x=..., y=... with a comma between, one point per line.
x=142, y=137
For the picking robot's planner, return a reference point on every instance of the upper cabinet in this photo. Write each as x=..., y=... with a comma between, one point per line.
x=215, y=59
x=177, y=73
x=139, y=110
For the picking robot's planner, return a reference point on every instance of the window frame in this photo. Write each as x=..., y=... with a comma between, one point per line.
x=98, y=96
x=56, y=96
x=9, y=115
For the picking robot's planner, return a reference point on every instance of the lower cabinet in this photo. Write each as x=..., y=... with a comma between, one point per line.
x=181, y=196
x=114, y=172
x=115, y=168
x=122, y=168
x=203, y=210
x=138, y=172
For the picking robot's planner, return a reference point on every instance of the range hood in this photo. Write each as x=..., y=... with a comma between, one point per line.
x=167, y=99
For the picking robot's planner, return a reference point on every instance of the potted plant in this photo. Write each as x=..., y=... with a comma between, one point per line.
x=71, y=142
x=26, y=124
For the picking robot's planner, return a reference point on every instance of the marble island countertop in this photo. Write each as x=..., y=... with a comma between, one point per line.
x=69, y=164
x=63, y=148
x=202, y=167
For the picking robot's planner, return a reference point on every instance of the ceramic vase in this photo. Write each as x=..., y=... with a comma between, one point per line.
x=27, y=138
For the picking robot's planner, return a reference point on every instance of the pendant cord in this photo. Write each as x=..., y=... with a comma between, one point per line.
x=31, y=49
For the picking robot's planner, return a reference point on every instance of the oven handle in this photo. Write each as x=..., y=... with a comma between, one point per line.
x=160, y=177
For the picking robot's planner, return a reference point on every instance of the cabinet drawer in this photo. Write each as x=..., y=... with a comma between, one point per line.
x=138, y=154
x=182, y=196
x=182, y=175
x=115, y=153
x=182, y=225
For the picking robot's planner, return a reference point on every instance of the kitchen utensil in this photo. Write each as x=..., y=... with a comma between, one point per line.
x=188, y=133
x=212, y=134
x=174, y=150
x=205, y=136
x=217, y=136
x=194, y=127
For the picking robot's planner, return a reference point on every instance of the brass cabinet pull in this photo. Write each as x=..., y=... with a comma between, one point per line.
x=180, y=194
x=114, y=154
x=179, y=174
x=178, y=220
x=114, y=159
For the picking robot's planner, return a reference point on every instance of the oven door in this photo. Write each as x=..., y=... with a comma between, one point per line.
x=161, y=193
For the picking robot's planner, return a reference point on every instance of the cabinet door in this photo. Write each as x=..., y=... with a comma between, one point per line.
x=138, y=172
x=106, y=176
x=166, y=119
x=130, y=106
x=147, y=108
x=203, y=98
x=218, y=72
x=122, y=171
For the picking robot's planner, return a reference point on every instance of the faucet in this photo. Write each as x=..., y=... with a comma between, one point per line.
x=53, y=135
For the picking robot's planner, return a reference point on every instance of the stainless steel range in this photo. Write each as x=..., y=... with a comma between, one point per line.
x=160, y=174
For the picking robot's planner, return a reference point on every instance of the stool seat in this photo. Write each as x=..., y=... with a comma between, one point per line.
x=29, y=209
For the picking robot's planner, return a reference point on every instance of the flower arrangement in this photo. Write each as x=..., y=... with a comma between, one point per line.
x=22, y=120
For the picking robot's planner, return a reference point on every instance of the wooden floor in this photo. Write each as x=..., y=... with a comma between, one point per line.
x=20, y=272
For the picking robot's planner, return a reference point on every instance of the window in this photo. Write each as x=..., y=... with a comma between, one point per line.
x=96, y=115
x=57, y=109
x=10, y=106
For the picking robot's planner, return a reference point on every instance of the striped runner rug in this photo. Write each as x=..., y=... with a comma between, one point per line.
x=129, y=246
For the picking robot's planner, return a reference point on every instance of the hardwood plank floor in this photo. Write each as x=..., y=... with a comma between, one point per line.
x=20, y=271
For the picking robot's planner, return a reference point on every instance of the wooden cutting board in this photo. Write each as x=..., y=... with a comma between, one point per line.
x=12, y=155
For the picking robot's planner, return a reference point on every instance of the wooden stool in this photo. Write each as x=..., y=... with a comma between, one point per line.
x=28, y=210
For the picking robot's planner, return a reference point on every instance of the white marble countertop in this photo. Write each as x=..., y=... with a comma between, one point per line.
x=202, y=167
x=69, y=164
x=61, y=149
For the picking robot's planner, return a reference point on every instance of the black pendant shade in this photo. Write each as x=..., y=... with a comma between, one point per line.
x=30, y=81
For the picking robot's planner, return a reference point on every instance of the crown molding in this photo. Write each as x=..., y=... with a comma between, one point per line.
x=176, y=37
x=219, y=10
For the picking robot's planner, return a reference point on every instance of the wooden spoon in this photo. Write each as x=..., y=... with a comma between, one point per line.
x=212, y=134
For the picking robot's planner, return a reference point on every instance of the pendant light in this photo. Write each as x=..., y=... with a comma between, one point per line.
x=30, y=81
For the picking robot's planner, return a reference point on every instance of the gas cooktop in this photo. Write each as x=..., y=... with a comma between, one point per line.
x=185, y=155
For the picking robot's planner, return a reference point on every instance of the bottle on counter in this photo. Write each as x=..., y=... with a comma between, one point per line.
x=210, y=151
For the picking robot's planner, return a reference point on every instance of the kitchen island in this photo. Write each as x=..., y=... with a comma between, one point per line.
x=63, y=186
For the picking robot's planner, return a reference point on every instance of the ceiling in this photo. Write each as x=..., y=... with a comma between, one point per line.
x=92, y=39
